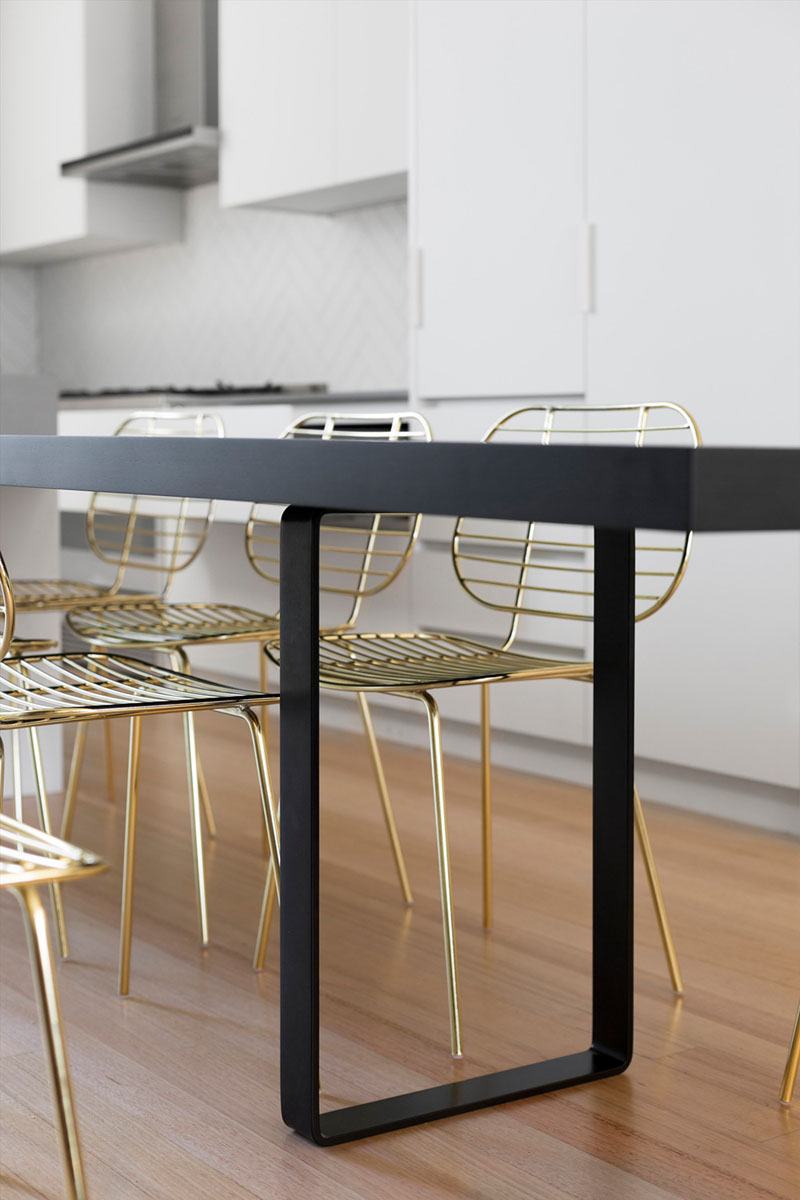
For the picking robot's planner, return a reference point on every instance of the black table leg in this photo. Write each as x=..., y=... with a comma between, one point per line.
x=612, y=1026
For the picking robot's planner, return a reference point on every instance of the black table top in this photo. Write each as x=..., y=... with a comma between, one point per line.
x=613, y=487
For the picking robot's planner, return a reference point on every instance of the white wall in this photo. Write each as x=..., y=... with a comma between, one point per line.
x=19, y=321
x=248, y=296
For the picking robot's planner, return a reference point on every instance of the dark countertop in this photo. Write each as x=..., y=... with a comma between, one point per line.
x=211, y=399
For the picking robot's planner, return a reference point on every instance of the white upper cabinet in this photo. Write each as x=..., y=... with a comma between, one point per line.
x=72, y=80
x=313, y=103
x=694, y=186
x=496, y=195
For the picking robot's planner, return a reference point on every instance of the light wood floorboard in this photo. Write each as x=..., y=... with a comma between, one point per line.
x=177, y=1086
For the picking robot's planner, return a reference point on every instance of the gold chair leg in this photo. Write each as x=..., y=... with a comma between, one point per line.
x=445, y=885
x=656, y=893
x=792, y=1063
x=53, y=1034
x=16, y=774
x=195, y=810
x=129, y=857
x=71, y=793
x=383, y=791
x=486, y=806
x=180, y=662
x=273, y=880
x=263, y=674
x=44, y=820
x=109, y=760
x=208, y=812
x=265, y=919
x=265, y=788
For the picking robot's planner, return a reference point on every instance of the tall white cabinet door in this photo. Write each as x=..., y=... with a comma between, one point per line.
x=496, y=196
x=694, y=185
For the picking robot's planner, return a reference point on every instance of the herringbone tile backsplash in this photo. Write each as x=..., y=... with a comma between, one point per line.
x=19, y=321
x=248, y=296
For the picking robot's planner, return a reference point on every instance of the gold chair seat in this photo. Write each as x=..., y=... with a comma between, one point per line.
x=79, y=687
x=32, y=856
x=52, y=595
x=154, y=623
x=416, y=661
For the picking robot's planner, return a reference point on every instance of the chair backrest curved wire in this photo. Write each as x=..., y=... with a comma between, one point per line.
x=153, y=533
x=360, y=553
x=6, y=612
x=539, y=570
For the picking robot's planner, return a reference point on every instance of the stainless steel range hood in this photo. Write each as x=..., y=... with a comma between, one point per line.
x=182, y=150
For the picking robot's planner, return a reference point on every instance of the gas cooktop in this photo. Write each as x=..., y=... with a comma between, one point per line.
x=216, y=390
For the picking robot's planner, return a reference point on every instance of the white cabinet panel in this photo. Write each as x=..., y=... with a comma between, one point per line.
x=694, y=186
x=718, y=670
x=313, y=99
x=276, y=88
x=497, y=197
x=371, y=54
x=68, y=78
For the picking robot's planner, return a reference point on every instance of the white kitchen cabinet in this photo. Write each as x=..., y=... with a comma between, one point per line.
x=72, y=81
x=496, y=198
x=313, y=103
x=693, y=179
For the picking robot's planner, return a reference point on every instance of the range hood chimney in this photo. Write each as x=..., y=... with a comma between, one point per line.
x=182, y=150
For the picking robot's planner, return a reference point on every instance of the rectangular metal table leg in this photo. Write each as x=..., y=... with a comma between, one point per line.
x=612, y=968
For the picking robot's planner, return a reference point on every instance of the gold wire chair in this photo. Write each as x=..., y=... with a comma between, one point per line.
x=56, y=689
x=529, y=572
x=162, y=535
x=18, y=649
x=29, y=858
x=145, y=534
x=792, y=1063
x=360, y=555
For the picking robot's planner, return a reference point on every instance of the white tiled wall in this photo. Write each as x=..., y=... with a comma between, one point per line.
x=248, y=296
x=19, y=321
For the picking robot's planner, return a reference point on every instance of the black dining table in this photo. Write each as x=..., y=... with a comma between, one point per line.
x=613, y=489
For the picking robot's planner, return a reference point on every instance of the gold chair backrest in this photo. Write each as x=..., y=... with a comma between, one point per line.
x=6, y=612
x=529, y=568
x=153, y=533
x=360, y=553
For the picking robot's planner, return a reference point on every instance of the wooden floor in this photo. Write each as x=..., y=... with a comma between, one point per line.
x=177, y=1086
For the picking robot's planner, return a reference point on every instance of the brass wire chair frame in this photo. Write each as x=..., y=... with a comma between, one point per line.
x=416, y=664
x=792, y=1063
x=372, y=539
x=130, y=533
x=75, y=688
x=134, y=532
x=20, y=647
x=363, y=554
x=494, y=593
x=28, y=859
x=348, y=570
